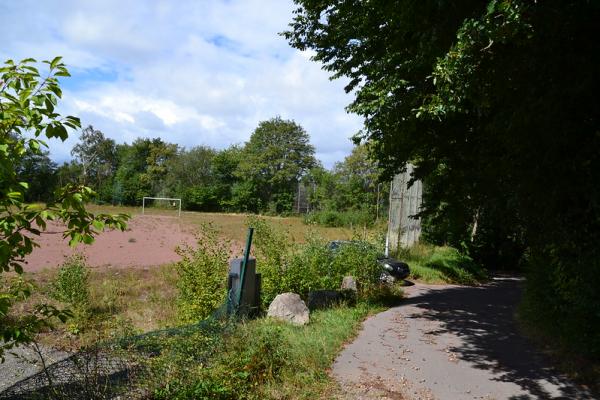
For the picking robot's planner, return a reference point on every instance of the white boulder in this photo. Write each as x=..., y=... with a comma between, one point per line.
x=289, y=307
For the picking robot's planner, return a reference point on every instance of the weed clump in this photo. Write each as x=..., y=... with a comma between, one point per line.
x=287, y=267
x=202, y=276
x=71, y=286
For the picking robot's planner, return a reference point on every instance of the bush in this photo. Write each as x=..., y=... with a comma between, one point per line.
x=311, y=266
x=71, y=284
x=562, y=301
x=202, y=276
x=349, y=218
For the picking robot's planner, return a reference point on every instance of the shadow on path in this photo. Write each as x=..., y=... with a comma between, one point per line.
x=483, y=318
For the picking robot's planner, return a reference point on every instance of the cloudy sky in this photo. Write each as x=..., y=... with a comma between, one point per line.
x=193, y=72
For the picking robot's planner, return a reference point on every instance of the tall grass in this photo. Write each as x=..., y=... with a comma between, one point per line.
x=348, y=219
x=265, y=359
x=437, y=265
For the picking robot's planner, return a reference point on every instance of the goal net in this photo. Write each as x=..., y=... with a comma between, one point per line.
x=161, y=206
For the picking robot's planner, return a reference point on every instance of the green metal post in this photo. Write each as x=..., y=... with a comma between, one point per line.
x=244, y=263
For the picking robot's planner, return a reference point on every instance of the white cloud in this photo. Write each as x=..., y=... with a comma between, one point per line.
x=191, y=72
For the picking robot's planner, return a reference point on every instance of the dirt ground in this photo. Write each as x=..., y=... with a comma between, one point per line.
x=148, y=241
x=450, y=342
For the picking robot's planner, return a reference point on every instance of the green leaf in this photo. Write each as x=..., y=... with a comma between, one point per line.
x=98, y=224
x=54, y=63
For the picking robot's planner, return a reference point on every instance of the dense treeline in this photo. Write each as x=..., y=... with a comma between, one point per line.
x=264, y=175
x=495, y=103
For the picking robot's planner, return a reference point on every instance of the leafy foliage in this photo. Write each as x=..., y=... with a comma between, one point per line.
x=509, y=151
x=277, y=155
x=202, y=274
x=286, y=267
x=349, y=195
x=72, y=282
x=71, y=286
x=40, y=174
x=97, y=157
x=27, y=106
x=257, y=360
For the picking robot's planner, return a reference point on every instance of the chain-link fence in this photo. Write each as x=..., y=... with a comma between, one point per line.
x=118, y=369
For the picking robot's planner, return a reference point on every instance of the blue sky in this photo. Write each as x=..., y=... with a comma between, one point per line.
x=191, y=72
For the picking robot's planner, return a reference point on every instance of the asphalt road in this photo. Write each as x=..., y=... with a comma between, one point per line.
x=450, y=342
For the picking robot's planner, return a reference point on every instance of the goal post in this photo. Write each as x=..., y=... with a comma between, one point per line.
x=172, y=202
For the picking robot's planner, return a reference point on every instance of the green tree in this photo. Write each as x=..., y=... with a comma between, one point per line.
x=224, y=167
x=322, y=186
x=97, y=156
x=357, y=182
x=40, y=173
x=190, y=176
x=495, y=103
x=277, y=155
x=27, y=113
x=68, y=173
x=161, y=154
x=129, y=187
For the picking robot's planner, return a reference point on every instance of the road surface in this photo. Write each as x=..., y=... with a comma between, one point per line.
x=450, y=342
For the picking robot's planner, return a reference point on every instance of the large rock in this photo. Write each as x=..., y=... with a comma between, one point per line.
x=289, y=307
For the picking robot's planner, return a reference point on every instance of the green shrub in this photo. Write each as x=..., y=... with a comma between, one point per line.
x=202, y=276
x=286, y=267
x=358, y=259
x=271, y=249
x=349, y=218
x=561, y=302
x=71, y=284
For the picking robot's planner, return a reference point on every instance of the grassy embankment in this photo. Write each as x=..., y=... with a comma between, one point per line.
x=439, y=265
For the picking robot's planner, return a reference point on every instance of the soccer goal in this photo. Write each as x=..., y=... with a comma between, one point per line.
x=161, y=203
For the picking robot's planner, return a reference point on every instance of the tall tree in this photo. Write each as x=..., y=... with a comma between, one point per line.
x=39, y=172
x=97, y=156
x=496, y=104
x=357, y=181
x=277, y=155
x=190, y=176
x=161, y=154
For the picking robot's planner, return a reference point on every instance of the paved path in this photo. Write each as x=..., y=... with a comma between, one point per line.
x=450, y=342
x=22, y=362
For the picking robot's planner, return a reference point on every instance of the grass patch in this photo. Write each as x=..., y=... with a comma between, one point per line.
x=439, y=265
x=120, y=302
x=266, y=359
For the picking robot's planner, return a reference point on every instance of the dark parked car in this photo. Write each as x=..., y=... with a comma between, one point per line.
x=391, y=269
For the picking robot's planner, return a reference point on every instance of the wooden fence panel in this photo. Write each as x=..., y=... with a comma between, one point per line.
x=404, y=229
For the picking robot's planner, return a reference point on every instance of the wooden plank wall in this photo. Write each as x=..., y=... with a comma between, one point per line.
x=403, y=229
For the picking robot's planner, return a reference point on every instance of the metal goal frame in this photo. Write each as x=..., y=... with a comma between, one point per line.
x=160, y=198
